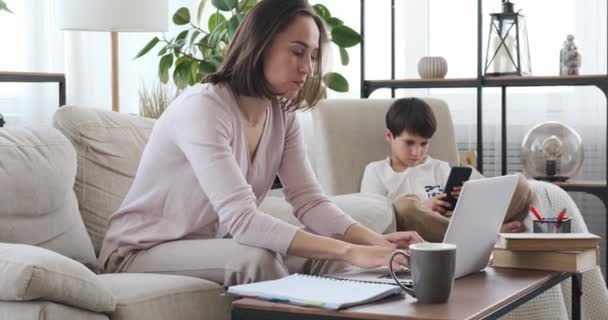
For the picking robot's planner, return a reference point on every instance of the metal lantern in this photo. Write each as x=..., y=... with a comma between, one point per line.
x=508, y=53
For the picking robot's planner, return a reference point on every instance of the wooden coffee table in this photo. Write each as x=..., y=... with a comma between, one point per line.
x=484, y=295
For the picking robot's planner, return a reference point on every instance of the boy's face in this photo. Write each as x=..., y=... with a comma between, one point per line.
x=407, y=149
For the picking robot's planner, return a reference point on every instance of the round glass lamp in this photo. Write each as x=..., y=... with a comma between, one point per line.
x=552, y=151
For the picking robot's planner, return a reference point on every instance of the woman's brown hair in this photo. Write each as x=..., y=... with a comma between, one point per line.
x=243, y=66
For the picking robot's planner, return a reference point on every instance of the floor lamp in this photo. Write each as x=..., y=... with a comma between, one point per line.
x=114, y=16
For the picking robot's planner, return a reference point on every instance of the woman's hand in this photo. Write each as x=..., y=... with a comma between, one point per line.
x=437, y=204
x=372, y=257
x=403, y=239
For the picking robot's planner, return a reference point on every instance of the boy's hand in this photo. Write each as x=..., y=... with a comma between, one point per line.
x=456, y=191
x=437, y=204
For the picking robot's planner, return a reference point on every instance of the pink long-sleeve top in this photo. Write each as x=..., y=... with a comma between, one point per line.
x=195, y=180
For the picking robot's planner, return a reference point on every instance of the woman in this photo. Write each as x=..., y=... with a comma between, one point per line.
x=213, y=155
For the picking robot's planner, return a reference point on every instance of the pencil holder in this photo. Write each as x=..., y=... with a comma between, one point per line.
x=551, y=225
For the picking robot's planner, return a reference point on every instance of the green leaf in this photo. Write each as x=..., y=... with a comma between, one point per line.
x=334, y=22
x=147, y=48
x=163, y=67
x=199, y=11
x=203, y=44
x=224, y=5
x=345, y=37
x=246, y=5
x=215, y=38
x=215, y=20
x=181, y=16
x=344, y=56
x=193, y=37
x=181, y=74
x=182, y=35
x=207, y=67
x=163, y=51
x=177, y=44
x=322, y=11
x=216, y=60
x=194, y=74
x=336, y=82
x=233, y=25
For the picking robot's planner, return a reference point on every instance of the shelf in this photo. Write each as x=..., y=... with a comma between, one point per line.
x=510, y=81
x=372, y=85
x=530, y=81
x=597, y=188
x=15, y=76
x=582, y=184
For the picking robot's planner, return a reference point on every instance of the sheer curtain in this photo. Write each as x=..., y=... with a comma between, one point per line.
x=30, y=43
x=33, y=43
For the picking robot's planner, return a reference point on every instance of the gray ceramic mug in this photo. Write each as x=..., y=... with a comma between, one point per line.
x=432, y=266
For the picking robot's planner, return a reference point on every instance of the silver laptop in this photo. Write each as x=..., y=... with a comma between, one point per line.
x=473, y=228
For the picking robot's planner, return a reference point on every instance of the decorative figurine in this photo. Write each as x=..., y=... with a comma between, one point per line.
x=569, y=58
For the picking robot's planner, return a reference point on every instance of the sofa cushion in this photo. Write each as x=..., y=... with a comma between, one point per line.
x=37, y=203
x=45, y=310
x=153, y=296
x=109, y=146
x=30, y=273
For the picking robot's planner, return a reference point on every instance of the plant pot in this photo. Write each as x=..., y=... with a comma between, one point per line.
x=432, y=67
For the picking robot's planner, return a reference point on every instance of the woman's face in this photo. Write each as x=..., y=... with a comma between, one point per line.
x=290, y=58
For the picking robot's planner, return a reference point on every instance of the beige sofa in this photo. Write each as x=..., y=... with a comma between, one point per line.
x=60, y=186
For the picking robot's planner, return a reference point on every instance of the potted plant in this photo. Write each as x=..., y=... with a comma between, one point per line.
x=154, y=101
x=198, y=51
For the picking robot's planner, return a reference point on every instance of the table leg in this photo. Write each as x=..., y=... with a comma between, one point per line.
x=577, y=292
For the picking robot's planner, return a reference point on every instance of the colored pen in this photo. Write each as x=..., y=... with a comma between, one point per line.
x=561, y=215
x=535, y=212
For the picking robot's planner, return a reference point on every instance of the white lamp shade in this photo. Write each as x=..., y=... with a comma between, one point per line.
x=112, y=15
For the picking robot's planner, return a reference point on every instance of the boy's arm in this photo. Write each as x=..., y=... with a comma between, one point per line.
x=371, y=182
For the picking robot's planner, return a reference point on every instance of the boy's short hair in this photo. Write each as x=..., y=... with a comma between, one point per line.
x=412, y=115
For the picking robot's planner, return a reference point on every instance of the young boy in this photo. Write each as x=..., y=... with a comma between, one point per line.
x=414, y=181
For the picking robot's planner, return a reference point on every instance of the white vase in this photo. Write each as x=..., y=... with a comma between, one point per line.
x=432, y=67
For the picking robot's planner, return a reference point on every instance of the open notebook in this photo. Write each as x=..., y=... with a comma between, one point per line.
x=315, y=291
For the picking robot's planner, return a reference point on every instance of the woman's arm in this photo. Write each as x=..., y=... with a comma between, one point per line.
x=301, y=188
x=306, y=244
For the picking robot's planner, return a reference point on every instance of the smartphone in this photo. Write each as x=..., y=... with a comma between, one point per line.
x=458, y=176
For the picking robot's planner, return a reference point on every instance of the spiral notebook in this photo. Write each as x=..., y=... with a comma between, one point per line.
x=315, y=291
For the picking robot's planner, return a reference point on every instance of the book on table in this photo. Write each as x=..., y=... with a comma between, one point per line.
x=565, y=261
x=547, y=241
x=316, y=291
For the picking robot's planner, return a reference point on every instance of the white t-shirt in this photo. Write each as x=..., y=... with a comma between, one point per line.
x=425, y=180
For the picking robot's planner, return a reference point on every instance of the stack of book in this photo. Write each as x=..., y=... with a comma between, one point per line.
x=568, y=252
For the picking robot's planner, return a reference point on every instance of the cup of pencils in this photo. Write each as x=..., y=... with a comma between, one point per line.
x=559, y=224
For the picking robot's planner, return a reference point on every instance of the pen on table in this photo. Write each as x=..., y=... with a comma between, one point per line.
x=535, y=212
